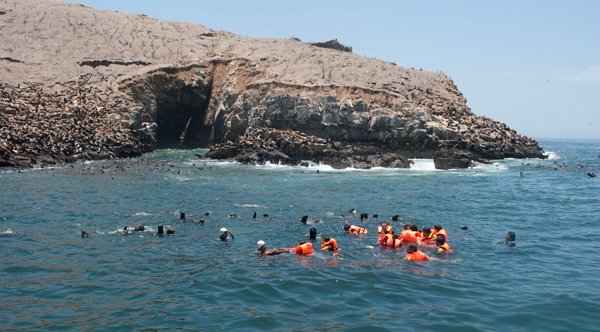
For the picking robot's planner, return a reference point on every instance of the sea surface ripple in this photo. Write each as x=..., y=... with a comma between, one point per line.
x=52, y=278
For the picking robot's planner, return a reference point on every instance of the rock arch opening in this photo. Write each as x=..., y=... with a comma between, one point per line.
x=175, y=100
x=180, y=115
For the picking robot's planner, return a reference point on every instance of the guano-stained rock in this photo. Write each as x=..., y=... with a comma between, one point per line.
x=78, y=83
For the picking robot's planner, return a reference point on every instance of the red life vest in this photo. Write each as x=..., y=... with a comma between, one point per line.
x=304, y=249
x=357, y=230
x=416, y=256
x=332, y=243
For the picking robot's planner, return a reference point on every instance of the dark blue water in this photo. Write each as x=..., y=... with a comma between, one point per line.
x=51, y=278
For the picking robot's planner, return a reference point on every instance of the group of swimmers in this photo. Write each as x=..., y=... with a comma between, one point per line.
x=410, y=238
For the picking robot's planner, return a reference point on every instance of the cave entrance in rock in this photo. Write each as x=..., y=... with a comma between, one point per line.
x=180, y=118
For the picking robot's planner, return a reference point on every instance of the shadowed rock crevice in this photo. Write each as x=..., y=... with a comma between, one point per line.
x=175, y=103
x=97, y=63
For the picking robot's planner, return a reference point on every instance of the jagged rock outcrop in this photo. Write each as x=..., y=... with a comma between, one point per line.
x=289, y=147
x=78, y=83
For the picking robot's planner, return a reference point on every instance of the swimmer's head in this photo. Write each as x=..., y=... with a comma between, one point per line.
x=326, y=239
x=223, y=230
x=414, y=228
x=510, y=236
x=346, y=227
x=440, y=240
x=437, y=227
x=262, y=246
x=426, y=231
x=312, y=233
x=412, y=248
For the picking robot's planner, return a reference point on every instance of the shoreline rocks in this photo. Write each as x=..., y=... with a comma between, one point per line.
x=287, y=147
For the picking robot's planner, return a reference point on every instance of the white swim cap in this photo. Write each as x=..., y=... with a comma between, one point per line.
x=223, y=229
x=260, y=243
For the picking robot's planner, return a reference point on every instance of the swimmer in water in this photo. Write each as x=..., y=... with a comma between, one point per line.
x=510, y=239
x=352, y=229
x=304, y=248
x=329, y=244
x=262, y=249
x=414, y=255
x=312, y=233
x=442, y=247
x=225, y=233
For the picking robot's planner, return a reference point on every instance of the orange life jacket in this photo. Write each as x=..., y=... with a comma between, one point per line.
x=304, y=249
x=441, y=232
x=357, y=230
x=408, y=236
x=386, y=240
x=416, y=256
x=445, y=248
x=332, y=243
x=428, y=239
x=381, y=230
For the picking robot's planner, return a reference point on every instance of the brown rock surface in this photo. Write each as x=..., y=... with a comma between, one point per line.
x=78, y=83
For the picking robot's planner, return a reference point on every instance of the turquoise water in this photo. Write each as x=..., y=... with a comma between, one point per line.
x=51, y=278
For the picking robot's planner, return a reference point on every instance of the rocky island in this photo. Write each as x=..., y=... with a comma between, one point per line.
x=79, y=84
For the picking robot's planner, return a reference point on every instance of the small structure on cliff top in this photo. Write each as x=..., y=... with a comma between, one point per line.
x=333, y=44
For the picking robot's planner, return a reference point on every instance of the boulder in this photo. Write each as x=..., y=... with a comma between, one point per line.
x=452, y=159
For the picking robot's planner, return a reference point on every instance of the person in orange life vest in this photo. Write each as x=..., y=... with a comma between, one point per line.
x=415, y=229
x=304, y=248
x=408, y=235
x=442, y=246
x=262, y=249
x=427, y=236
x=386, y=239
x=355, y=229
x=438, y=230
x=397, y=241
x=384, y=228
x=414, y=255
x=329, y=244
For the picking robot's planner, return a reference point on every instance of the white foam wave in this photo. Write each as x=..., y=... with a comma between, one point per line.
x=250, y=205
x=143, y=214
x=423, y=165
x=552, y=155
x=496, y=166
x=8, y=231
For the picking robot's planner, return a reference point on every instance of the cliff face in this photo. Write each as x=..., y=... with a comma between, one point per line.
x=78, y=83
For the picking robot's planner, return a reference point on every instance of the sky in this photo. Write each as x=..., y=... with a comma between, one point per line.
x=534, y=65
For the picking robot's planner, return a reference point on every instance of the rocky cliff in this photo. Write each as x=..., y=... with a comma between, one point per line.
x=78, y=83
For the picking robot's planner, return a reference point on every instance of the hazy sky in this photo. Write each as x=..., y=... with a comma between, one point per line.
x=534, y=65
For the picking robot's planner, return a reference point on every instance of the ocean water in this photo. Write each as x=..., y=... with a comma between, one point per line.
x=53, y=279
